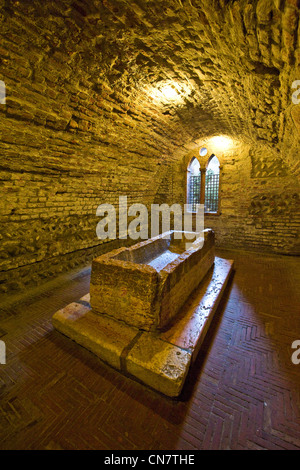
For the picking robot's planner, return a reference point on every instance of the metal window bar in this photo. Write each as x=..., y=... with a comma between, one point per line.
x=211, y=192
x=194, y=192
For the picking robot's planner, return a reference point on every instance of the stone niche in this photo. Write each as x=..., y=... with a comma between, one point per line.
x=149, y=307
x=146, y=285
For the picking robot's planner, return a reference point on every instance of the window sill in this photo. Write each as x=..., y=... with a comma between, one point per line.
x=212, y=213
x=206, y=213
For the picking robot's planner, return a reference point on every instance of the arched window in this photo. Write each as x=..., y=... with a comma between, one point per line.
x=212, y=185
x=193, y=184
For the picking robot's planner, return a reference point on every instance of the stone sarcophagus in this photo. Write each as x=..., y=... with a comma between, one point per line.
x=147, y=284
x=149, y=307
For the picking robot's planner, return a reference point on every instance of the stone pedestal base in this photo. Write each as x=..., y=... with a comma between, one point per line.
x=160, y=360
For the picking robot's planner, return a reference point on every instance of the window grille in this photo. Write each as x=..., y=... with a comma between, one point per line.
x=211, y=192
x=194, y=192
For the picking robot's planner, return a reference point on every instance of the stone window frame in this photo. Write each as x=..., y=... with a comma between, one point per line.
x=202, y=194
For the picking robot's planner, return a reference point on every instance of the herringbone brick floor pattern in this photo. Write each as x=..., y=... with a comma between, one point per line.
x=242, y=392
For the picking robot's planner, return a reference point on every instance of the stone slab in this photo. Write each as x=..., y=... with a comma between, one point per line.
x=159, y=364
x=101, y=335
x=160, y=360
x=192, y=323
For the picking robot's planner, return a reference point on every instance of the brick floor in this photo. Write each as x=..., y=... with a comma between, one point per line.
x=241, y=393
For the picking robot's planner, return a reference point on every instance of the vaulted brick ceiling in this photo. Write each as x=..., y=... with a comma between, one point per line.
x=237, y=59
x=87, y=118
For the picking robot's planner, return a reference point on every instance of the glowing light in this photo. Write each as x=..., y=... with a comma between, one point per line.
x=169, y=92
x=220, y=143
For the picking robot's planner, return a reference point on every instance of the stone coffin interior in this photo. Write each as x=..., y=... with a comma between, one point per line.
x=147, y=284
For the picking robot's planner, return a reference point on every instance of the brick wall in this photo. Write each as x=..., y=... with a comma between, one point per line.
x=66, y=146
x=79, y=127
x=259, y=199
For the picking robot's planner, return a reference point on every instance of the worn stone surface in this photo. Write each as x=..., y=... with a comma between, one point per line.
x=159, y=364
x=159, y=360
x=191, y=326
x=99, y=334
x=125, y=291
x=124, y=286
x=156, y=363
x=80, y=126
x=182, y=281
